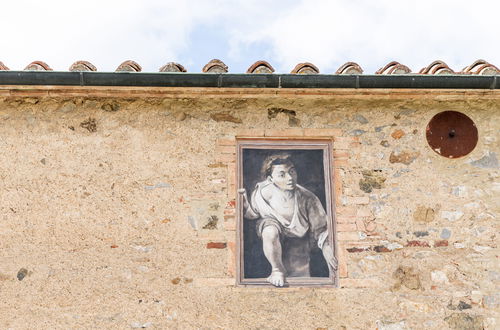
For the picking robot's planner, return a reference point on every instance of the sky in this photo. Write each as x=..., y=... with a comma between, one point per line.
x=326, y=33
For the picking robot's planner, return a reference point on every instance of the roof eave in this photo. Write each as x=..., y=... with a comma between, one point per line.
x=228, y=80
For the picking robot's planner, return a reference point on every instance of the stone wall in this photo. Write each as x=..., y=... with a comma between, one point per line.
x=118, y=209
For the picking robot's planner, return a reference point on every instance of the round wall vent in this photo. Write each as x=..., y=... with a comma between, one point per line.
x=451, y=134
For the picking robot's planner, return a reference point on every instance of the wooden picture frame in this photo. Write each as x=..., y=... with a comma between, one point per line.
x=285, y=194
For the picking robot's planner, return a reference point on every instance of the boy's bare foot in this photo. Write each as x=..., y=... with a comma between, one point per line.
x=277, y=278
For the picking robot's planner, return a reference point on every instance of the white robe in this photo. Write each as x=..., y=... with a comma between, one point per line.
x=309, y=214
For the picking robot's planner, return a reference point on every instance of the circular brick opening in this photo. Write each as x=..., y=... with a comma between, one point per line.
x=451, y=134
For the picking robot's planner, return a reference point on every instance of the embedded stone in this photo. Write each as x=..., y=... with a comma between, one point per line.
x=159, y=185
x=371, y=180
x=423, y=254
x=492, y=301
x=481, y=249
x=494, y=276
x=421, y=233
x=224, y=116
x=90, y=125
x=371, y=226
x=381, y=248
x=111, y=107
x=192, y=222
x=439, y=277
x=408, y=277
x=383, y=325
x=139, y=325
x=488, y=161
x=356, y=250
x=394, y=246
x=404, y=157
x=459, y=191
x=445, y=233
x=417, y=244
x=216, y=245
x=398, y=134
x=476, y=297
x=360, y=119
x=357, y=132
x=180, y=116
x=22, y=273
x=442, y=243
x=463, y=305
x=293, y=121
x=380, y=128
x=211, y=223
x=384, y=143
x=464, y=321
x=423, y=214
x=451, y=215
x=67, y=107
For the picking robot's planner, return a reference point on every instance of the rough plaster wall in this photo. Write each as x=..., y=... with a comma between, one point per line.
x=99, y=199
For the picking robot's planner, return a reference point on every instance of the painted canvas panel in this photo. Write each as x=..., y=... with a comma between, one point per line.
x=285, y=226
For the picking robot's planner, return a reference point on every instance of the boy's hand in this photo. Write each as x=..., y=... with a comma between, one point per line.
x=330, y=257
x=245, y=199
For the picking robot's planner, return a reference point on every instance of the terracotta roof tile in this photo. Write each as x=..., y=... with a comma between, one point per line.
x=260, y=67
x=172, y=67
x=437, y=67
x=394, y=68
x=305, y=68
x=129, y=66
x=3, y=67
x=349, y=68
x=38, y=66
x=82, y=66
x=481, y=67
x=215, y=66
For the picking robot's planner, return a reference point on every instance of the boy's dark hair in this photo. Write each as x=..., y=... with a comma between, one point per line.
x=277, y=159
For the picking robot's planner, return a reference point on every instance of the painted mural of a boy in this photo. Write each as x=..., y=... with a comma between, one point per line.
x=290, y=220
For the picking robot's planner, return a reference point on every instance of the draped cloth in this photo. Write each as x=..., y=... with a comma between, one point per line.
x=308, y=216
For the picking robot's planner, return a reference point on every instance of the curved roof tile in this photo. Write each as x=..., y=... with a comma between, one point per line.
x=437, y=67
x=350, y=68
x=172, y=67
x=215, y=66
x=3, y=67
x=481, y=67
x=394, y=68
x=129, y=66
x=38, y=66
x=82, y=66
x=260, y=67
x=305, y=68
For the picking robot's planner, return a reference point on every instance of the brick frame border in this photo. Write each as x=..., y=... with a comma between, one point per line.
x=278, y=142
x=354, y=221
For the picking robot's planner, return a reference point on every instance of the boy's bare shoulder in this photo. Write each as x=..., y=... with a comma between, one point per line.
x=267, y=192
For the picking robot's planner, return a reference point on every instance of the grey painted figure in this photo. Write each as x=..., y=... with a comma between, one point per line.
x=284, y=210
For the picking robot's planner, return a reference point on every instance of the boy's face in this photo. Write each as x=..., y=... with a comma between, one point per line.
x=284, y=177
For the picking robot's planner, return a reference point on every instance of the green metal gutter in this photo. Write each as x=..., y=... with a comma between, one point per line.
x=227, y=80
